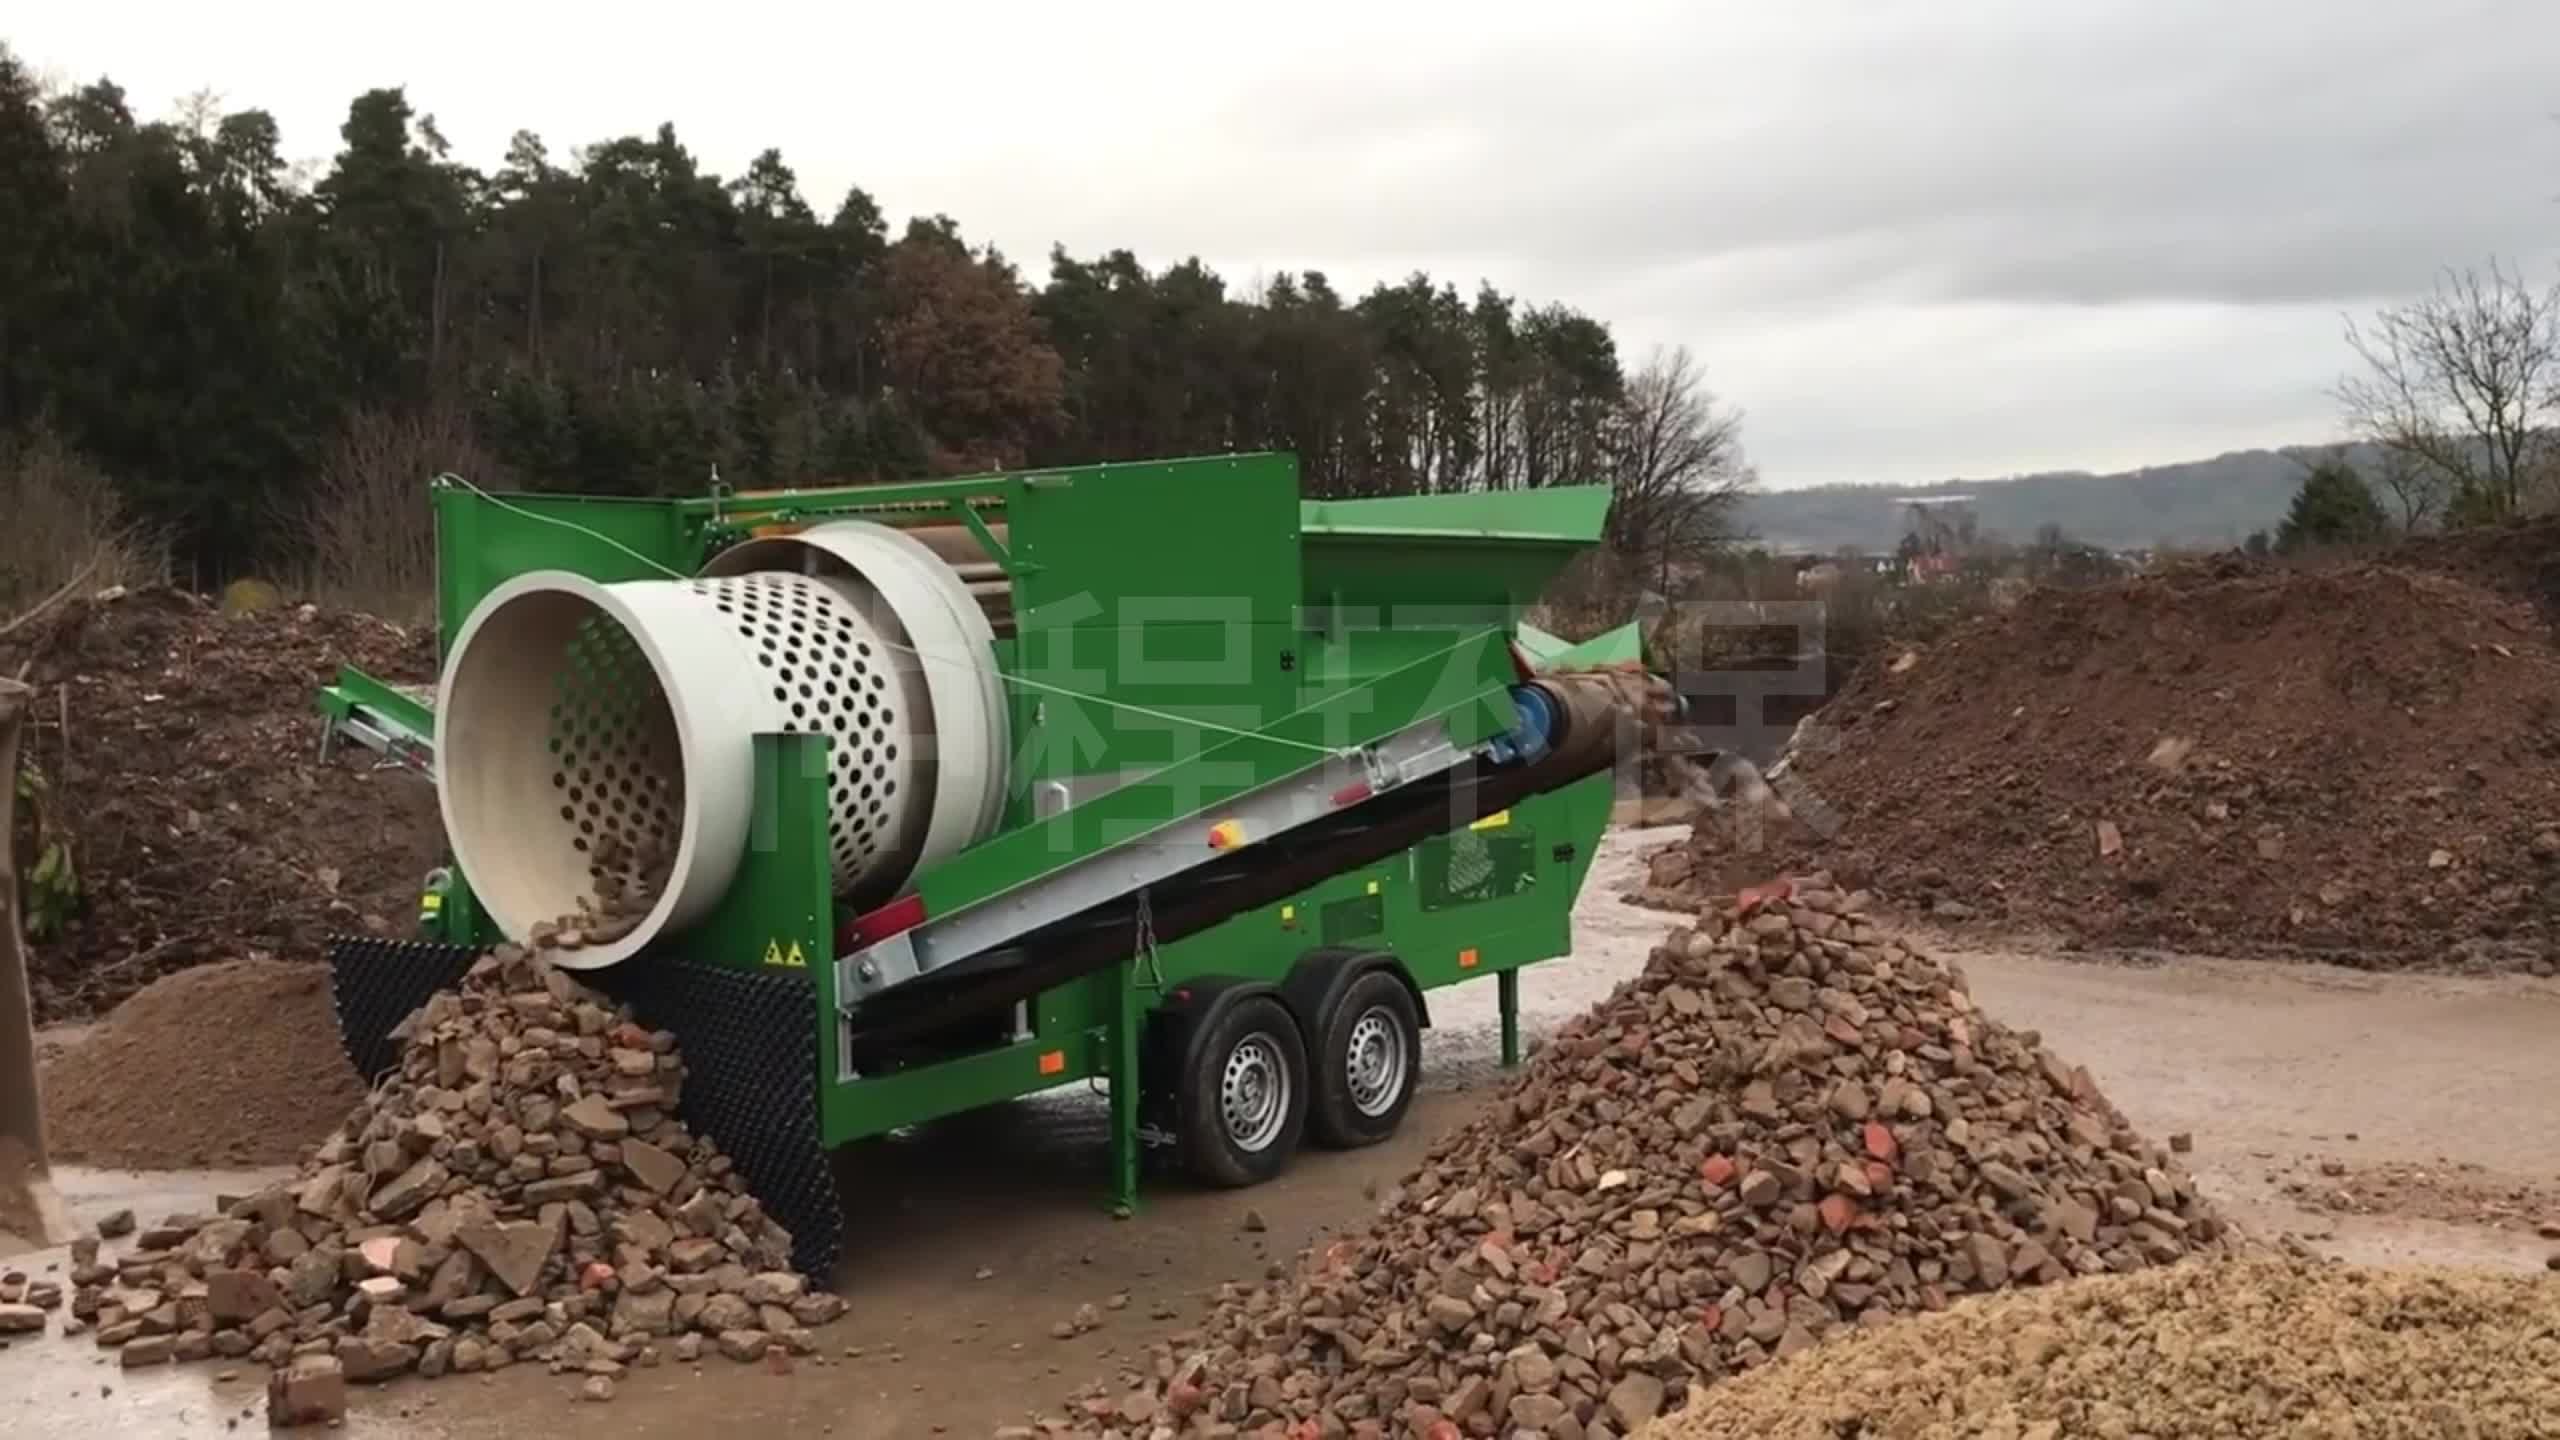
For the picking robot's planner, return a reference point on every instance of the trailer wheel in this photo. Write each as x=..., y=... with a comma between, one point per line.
x=1368, y=1060
x=1248, y=1093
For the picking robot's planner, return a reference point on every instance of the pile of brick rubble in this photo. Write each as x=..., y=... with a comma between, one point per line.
x=1789, y=1124
x=519, y=1191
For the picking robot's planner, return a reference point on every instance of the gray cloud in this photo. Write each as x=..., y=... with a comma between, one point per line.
x=1912, y=238
x=2091, y=152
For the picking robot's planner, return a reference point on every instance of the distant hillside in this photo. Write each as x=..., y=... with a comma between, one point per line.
x=2200, y=502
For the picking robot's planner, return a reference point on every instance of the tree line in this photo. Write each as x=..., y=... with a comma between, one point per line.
x=240, y=350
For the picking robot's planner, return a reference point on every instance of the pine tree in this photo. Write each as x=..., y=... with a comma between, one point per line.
x=2333, y=507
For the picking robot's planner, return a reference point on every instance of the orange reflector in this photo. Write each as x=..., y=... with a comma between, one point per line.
x=1053, y=1062
x=1467, y=959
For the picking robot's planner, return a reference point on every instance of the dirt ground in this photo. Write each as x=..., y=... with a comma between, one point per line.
x=176, y=745
x=2273, y=1069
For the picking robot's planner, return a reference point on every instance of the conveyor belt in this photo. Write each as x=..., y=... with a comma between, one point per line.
x=1256, y=876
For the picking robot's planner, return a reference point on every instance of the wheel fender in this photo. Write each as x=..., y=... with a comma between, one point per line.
x=1320, y=976
x=1178, y=1028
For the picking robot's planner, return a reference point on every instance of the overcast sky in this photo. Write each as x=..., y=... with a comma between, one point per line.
x=1912, y=239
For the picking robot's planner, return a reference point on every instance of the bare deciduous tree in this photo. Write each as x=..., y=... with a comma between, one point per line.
x=2459, y=388
x=366, y=525
x=64, y=522
x=1678, y=468
x=2417, y=492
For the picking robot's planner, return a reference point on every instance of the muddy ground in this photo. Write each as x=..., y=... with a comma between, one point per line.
x=2280, y=1073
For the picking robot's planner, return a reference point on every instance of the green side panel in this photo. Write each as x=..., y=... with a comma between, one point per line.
x=1100, y=698
x=1070, y=1042
x=1494, y=550
x=1352, y=920
x=1467, y=681
x=1147, y=598
x=778, y=912
x=1573, y=514
x=484, y=541
x=1140, y=544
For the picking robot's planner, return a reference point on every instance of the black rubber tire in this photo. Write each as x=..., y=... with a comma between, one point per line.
x=1210, y=1149
x=1334, y=1119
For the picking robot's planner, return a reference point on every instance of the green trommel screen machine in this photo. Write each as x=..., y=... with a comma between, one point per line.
x=896, y=800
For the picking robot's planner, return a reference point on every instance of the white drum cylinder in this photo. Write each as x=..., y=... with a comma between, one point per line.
x=942, y=643
x=595, y=744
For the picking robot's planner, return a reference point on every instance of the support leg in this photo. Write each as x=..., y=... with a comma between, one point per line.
x=1125, y=1020
x=1508, y=983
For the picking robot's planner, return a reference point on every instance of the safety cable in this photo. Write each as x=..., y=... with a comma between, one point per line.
x=1338, y=752
x=1146, y=942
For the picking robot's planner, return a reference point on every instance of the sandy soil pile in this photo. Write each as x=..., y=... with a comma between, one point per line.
x=1789, y=1125
x=229, y=1064
x=518, y=1191
x=2361, y=763
x=204, y=827
x=2244, y=1349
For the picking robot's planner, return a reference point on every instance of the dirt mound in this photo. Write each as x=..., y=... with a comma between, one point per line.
x=2520, y=556
x=229, y=1064
x=518, y=1190
x=2240, y=1348
x=2362, y=763
x=1788, y=1125
x=179, y=746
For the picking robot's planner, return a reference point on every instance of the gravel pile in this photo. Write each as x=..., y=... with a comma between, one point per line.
x=144, y=1091
x=519, y=1191
x=1788, y=1126
x=2243, y=1348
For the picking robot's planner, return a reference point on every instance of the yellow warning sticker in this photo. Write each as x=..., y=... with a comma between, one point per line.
x=1495, y=821
x=793, y=959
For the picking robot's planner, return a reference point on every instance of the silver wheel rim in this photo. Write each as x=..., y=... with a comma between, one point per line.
x=1253, y=1094
x=1375, y=1061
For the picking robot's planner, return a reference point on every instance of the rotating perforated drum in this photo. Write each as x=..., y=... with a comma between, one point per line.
x=595, y=741
x=836, y=675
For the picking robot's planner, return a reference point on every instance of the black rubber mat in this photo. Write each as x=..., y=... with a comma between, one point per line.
x=375, y=984
x=750, y=1044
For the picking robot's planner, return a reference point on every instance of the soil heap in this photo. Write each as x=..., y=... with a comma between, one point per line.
x=2361, y=763
x=177, y=744
x=519, y=1190
x=229, y=1064
x=1788, y=1125
x=2258, y=1348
